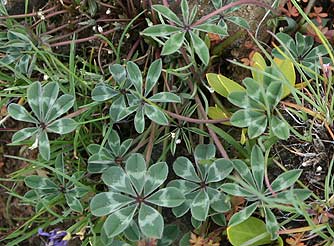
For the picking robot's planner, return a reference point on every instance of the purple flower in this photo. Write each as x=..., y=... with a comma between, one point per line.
x=54, y=237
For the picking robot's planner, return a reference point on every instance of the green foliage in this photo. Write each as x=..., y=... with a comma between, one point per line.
x=199, y=182
x=127, y=101
x=133, y=189
x=250, y=232
x=303, y=51
x=47, y=108
x=181, y=32
x=113, y=153
x=45, y=191
x=250, y=184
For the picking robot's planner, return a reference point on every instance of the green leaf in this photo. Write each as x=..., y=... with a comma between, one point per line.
x=218, y=200
x=244, y=117
x=165, y=97
x=167, y=13
x=155, y=114
x=236, y=190
x=136, y=169
x=116, y=178
x=153, y=75
x=204, y=152
x=61, y=106
x=40, y=183
x=108, y=202
x=62, y=126
x=271, y=223
x=170, y=234
x=219, y=170
x=185, y=169
x=135, y=76
x=168, y=197
x=44, y=145
x=173, y=44
x=238, y=21
x=161, y=30
x=139, y=120
x=200, y=48
x=185, y=11
x=74, y=203
x=257, y=126
x=274, y=93
x=156, y=175
x=184, y=186
x=118, y=73
x=223, y=85
x=244, y=172
x=24, y=134
x=34, y=94
x=212, y=28
x=132, y=232
x=240, y=99
x=103, y=92
x=48, y=97
x=279, y=128
x=119, y=110
x=285, y=180
x=18, y=112
x=242, y=215
x=251, y=232
x=257, y=164
x=100, y=161
x=200, y=206
x=150, y=222
x=117, y=222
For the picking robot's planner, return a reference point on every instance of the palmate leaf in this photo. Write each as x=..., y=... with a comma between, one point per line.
x=118, y=221
x=285, y=180
x=116, y=178
x=244, y=117
x=60, y=107
x=156, y=175
x=238, y=21
x=244, y=172
x=119, y=110
x=48, y=97
x=24, y=134
x=118, y=72
x=184, y=186
x=150, y=222
x=236, y=190
x=18, y=112
x=74, y=203
x=139, y=120
x=257, y=164
x=40, y=183
x=218, y=200
x=153, y=75
x=155, y=114
x=271, y=223
x=167, y=13
x=274, y=93
x=62, y=126
x=242, y=215
x=103, y=92
x=200, y=48
x=257, y=126
x=34, y=93
x=100, y=161
x=108, y=202
x=219, y=170
x=200, y=206
x=280, y=128
x=44, y=145
x=161, y=30
x=185, y=11
x=168, y=197
x=204, y=152
x=134, y=74
x=136, y=169
x=185, y=169
x=212, y=28
x=165, y=97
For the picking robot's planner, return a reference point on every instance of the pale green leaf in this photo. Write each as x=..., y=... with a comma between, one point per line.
x=24, y=134
x=134, y=74
x=118, y=221
x=200, y=48
x=185, y=169
x=136, y=169
x=150, y=222
x=103, y=92
x=18, y=112
x=242, y=215
x=167, y=13
x=153, y=75
x=44, y=145
x=219, y=170
x=223, y=85
x=168, y=197
x=161, y=30
x=200, y=206
x=62, y=126
x=116, y=178
x=279, y=128
x=165, y=97
x=155, y=114
x=257, y=164
x=156, y=175
x=139, y=120
x=34, y=94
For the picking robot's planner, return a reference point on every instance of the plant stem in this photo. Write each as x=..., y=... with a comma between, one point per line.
x=228, y=6
x=198, y=121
